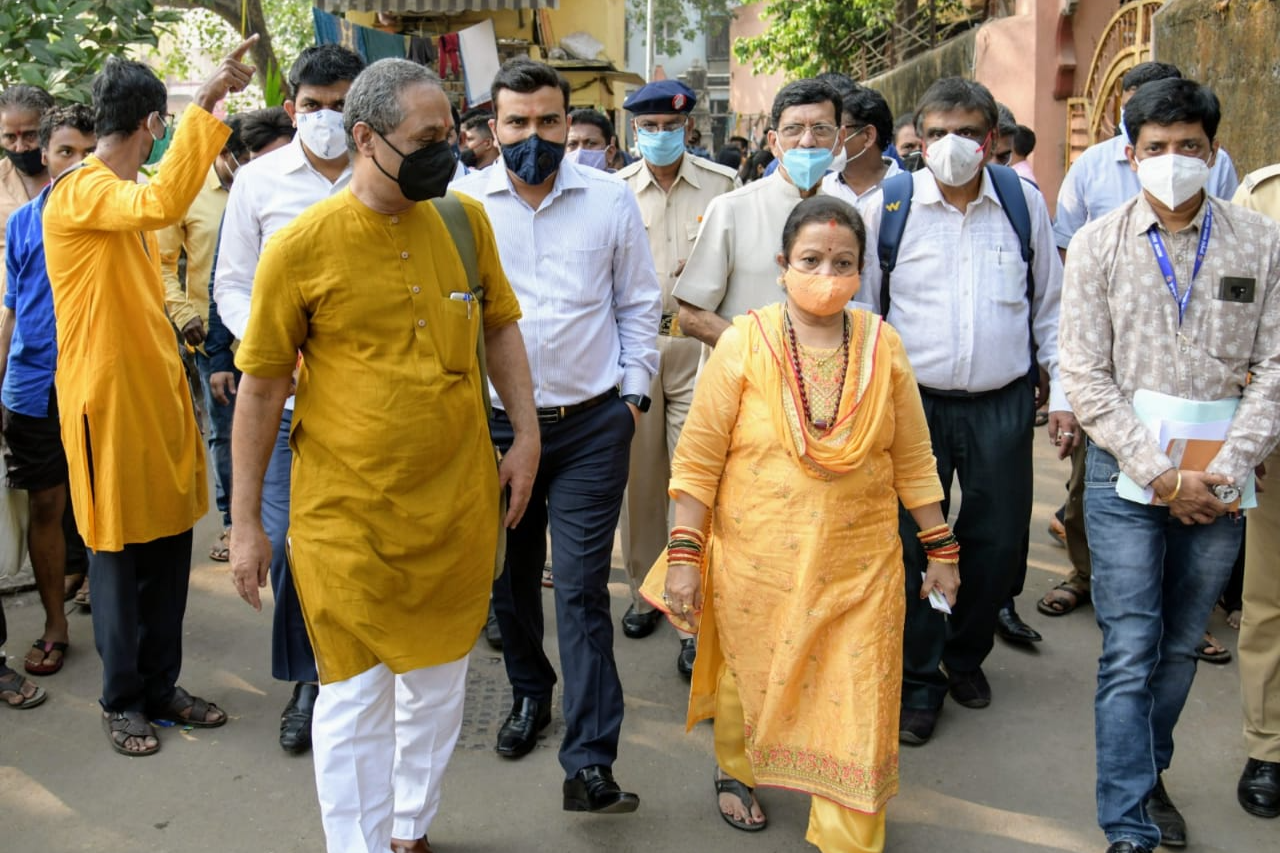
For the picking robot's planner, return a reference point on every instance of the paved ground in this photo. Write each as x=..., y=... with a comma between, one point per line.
x=1017, y=776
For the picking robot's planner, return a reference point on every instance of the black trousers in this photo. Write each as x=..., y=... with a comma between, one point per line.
x=578, y=492
x=985, y=442
x=139, y=601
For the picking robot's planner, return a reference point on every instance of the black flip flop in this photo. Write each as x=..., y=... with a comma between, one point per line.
x=1222, y=656
x=743, y=793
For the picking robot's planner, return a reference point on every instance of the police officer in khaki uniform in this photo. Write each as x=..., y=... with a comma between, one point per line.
x=673, y=189
x=1259, y=786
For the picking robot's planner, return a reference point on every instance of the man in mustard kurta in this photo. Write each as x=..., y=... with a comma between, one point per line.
x=137, y=469
x=394, y=505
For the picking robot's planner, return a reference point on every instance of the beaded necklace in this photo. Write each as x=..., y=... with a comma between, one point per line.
x=794, y=354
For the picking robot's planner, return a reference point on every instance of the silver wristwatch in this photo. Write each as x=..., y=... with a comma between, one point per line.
x=1226, y=494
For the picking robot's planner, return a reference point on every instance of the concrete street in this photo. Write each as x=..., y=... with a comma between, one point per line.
x=1017, y=776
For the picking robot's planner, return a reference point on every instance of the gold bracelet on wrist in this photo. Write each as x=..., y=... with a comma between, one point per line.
x=1177, y=489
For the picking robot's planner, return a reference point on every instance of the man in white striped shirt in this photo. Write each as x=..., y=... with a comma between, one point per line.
x=574, y=247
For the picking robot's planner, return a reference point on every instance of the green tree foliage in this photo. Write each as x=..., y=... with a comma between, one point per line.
x=807, y=37
x=60, y=45
x=212, y=28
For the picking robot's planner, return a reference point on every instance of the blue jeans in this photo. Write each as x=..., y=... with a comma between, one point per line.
x=1155, y=581
x=219, y=437
x=292, y=658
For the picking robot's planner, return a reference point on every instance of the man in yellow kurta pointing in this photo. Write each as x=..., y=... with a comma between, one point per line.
x=394, y=513
x=137, y=468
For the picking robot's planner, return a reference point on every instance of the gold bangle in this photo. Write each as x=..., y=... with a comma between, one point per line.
x=1177, y=489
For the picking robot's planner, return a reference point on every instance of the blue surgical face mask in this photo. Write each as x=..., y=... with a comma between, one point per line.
x=533, y=159
x=660, y=147
x=593, y=157
x=806, y=166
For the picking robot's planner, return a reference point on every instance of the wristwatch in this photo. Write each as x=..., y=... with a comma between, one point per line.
x=1226, y=494
x=640, y=401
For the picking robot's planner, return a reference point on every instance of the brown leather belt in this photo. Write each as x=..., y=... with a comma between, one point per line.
x=670, y=326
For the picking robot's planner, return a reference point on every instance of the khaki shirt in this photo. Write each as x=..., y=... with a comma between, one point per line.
x=1120, y=332
x=197, y=232
x=1260, y=191
x=672, y=218
x=733, y=266
x=13, y=195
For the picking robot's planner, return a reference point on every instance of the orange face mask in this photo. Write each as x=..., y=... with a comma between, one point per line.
x=822, y=295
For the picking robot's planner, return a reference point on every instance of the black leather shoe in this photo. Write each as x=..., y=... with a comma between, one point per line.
x=688, y=654
x=915, y=725
x=1259, y=788
x=592, y=789
x=519, y=734
x=295, y=722
x=637, y=625
x=1127, y=847
x=492, y=633
x=1012, y=629
x=1165, y=815
x=970, y=689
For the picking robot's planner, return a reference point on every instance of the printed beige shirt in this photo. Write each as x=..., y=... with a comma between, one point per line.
x=1120, y=331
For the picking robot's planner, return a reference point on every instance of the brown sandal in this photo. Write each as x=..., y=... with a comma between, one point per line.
x=120, y=726
x=221, y=550
x=40, y=664
x=187, y=710
x=1062, y=599
x=14, y=686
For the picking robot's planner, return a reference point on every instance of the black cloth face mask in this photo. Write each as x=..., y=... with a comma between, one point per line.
x=424, y=173
x=28, y=163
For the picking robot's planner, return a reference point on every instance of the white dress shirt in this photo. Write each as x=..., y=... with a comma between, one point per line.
x=833, y=185
x=1101, y=179
x=269, y=192
x=958, y=294
x=581, y=268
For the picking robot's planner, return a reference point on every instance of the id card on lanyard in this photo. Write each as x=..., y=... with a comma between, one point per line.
x=1166, y=266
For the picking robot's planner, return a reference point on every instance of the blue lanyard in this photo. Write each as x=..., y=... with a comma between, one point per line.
x=1166, y=268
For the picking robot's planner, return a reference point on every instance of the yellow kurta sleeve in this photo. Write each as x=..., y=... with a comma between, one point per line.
x=278, y=316
x=127, y=206
x=915, y=470
x=704, y=442
x=176, y=303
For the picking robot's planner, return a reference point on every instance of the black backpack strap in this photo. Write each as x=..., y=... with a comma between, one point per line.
x=896, y=194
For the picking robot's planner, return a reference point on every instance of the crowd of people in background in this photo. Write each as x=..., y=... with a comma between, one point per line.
x=425, y=343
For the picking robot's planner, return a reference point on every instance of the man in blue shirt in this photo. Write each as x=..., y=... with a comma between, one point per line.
x=28, y=358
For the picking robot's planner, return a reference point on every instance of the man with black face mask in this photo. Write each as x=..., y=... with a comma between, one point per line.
x=393, y=534
x=268, y=194
x=22, y=172
x=574, y=244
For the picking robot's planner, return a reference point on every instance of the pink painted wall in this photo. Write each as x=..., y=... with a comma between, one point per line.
x=750, y=95
x=1017, y=59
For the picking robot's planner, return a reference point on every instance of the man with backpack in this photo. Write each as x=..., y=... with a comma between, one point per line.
x=961, y=261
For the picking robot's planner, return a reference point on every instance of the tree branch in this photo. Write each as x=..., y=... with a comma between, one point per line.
x=264, y=52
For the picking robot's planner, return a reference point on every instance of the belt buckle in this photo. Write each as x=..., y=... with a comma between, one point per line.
x=560, y=414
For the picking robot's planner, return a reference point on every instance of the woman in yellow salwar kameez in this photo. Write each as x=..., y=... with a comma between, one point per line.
x=806, y=431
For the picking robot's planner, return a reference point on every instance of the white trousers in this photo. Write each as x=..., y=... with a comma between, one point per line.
x=381, y=743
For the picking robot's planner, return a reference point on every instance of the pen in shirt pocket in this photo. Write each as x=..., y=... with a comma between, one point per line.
x=466, y=297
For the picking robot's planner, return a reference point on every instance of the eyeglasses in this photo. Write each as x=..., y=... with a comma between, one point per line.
x=821, y=132
x=654, y=127
x=166, y=120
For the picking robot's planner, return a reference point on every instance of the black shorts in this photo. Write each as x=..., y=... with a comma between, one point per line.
x=34, y=458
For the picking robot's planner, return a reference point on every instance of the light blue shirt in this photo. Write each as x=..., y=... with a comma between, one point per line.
x=581, y=267
x=1101, y=180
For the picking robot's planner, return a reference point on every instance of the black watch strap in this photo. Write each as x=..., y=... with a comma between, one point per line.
x=640, y=401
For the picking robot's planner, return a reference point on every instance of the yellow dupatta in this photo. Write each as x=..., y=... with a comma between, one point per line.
x=867, y=393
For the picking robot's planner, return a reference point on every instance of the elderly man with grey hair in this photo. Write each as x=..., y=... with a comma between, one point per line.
x=395, y=512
